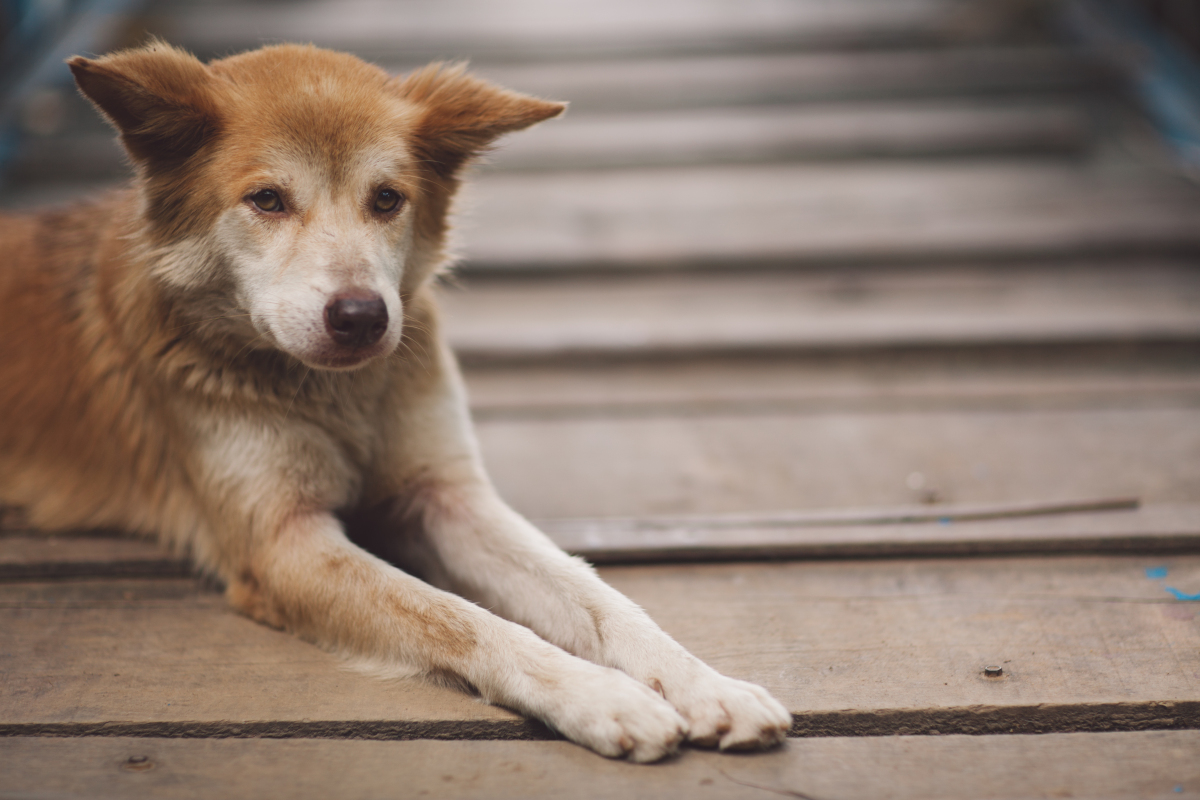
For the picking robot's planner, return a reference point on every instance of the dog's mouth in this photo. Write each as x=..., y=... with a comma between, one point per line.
x=355, y=328
x=343, y=359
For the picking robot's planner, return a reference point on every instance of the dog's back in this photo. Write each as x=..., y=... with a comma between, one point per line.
x=77, y=433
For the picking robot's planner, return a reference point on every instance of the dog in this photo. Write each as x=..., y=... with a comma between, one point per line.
x=238, y=353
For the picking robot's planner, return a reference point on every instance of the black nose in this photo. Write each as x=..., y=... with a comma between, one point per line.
x=356, y=321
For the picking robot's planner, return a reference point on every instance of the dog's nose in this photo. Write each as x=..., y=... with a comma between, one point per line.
x=356, y=320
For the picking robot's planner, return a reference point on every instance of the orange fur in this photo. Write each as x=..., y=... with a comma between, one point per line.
x=96, y=344
x=174, y=366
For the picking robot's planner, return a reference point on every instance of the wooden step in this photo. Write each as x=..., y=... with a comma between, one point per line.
x=719, y=437
x=746, y=313
x=187, y=663
x=532, y=28
x=1152, y=764
x=875, y=647
x=33, y=556
x=943, y=378
x=1100, y=525
x=692, y=137
x=818, y=214
x=804, y=215
x=739, y=135
x=773, y=458
x=758, y=79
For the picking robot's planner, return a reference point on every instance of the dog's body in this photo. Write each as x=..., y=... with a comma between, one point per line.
x=240, y=355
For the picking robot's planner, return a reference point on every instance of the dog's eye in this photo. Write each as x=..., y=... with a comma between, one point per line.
x=388, y=200
x=267, y=200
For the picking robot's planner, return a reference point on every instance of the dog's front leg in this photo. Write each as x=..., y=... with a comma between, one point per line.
x=308, y=578
x=487, y=552
x=470, y=542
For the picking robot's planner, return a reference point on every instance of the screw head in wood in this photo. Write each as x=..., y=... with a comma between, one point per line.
x=138, y=764
x=993, y=671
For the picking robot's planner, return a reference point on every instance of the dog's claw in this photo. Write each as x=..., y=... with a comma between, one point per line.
x=620, y=718
x=731, y=714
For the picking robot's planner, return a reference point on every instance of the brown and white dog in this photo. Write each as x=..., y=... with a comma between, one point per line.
x=239, y=354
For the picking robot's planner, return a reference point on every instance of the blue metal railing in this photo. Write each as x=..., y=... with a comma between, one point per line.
x=1164, y=73
x=36, y=37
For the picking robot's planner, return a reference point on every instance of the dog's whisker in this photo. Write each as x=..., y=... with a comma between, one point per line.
x=246, y=346
x=198, y=322
x=299, y=386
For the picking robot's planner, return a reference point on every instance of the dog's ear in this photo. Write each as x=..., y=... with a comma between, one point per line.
x=159, y=98
x=460, y=115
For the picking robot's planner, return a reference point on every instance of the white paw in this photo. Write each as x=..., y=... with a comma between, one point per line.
x=617, y=716
x=728, y=713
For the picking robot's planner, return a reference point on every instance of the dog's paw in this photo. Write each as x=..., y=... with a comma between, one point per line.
x=617, y=717
x=730, y=714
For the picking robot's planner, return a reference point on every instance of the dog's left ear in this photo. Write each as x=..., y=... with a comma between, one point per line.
x=462, y=115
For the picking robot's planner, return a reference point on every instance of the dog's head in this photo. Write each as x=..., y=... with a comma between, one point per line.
x=302, y=192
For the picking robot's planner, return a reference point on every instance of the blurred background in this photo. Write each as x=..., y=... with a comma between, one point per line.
x=780, y=254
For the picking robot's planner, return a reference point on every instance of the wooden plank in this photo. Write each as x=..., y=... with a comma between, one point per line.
x=907, y=515
x=1162, y=528
x=853, y=648
x=751, y=460
x=864, y=379
x=29, y=557
x=801, y=77
x=532, y=28
x=913, y=634
x=819, y=214
x=672, y=315
x=740, y=135
x=691, y=137
x=1147, y=765
x=909, y=532
x=165, y=656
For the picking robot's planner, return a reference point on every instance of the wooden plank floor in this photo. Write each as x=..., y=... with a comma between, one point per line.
x=869, y=288
x=1156, y=765
x=868, y=647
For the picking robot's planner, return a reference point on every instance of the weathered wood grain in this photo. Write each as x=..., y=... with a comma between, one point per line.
x=682, y=314
x=758, y=79
x=1150, y=766
x=913, y=633
x=819, y=214
x=1013, y=529
x=691, y=137
x=883, y=379
x=1165, y=528
x=30, y=557
x=1087, y=643
x=86, y=151
x=161, y=654
x=738, y=134
x=532, y=28
x=760, y=460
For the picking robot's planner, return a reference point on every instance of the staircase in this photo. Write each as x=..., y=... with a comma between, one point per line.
x=862, y=339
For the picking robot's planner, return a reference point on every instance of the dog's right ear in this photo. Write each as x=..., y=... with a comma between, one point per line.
x=159, y=98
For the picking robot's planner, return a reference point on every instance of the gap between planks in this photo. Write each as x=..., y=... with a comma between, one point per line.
x=1097, y=525
x=1043, y=718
